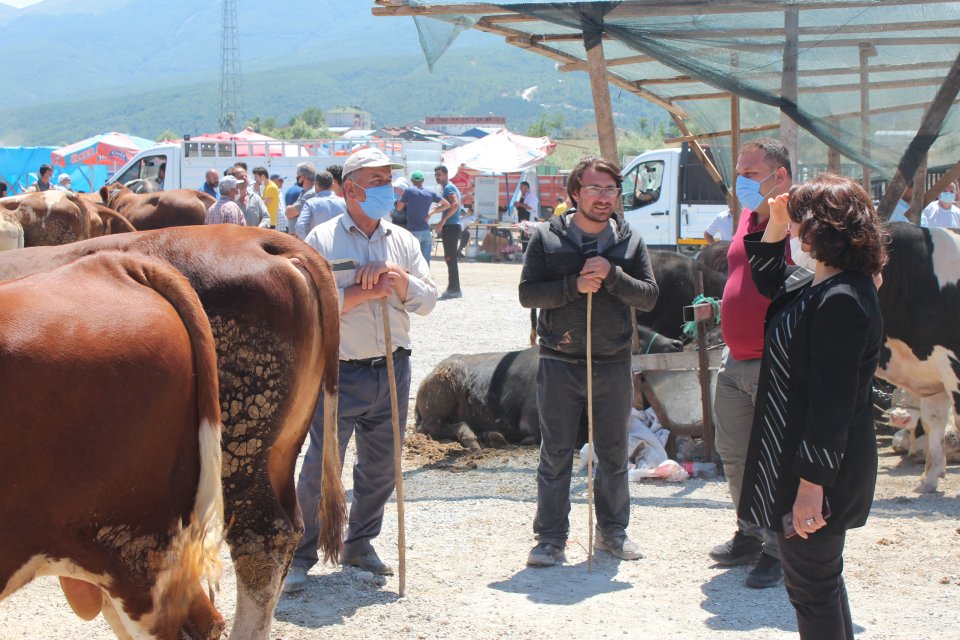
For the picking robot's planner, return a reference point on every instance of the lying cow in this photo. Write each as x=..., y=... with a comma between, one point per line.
x=272, y=303
x=920, y=304
x=110, y=441
x=491, y=398
x=146, y=211
x=49, y=218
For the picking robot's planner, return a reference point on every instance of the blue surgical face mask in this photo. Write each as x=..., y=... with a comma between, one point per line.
x=901, y=209
x=748, y=192
x=948, y=197
x=379, y=201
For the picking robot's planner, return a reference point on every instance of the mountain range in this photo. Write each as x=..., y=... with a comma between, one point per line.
x=79, y=68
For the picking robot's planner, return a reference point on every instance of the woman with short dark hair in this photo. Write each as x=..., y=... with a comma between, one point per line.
x=812, y=461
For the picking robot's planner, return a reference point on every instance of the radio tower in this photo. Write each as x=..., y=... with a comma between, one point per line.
x=231, y=85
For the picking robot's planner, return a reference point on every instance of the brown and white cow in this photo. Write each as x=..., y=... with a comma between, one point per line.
x=272, y=303
x=920, y=301
x=49, y=218
x=146, y=211
x=110, y=441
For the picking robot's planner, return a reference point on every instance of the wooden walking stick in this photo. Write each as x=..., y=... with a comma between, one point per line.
x=397, y=446
x=590, y=431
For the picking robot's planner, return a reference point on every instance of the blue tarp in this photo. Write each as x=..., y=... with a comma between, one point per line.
x=19, y=166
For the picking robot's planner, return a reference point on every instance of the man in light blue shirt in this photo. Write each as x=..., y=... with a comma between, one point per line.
x=324, y=206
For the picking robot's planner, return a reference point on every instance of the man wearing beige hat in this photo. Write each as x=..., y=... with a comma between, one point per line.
x=372, y=259
x=226, y=210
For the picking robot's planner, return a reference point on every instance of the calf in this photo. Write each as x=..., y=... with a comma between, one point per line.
x=110, y=441
x=272, y=303
x=146, y=211
x=492, y=397
x=920, y=301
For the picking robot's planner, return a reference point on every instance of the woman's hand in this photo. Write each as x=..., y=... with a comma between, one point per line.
x=778, y=209
x=807, y=515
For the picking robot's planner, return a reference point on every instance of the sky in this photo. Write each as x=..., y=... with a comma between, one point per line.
x=20, y=3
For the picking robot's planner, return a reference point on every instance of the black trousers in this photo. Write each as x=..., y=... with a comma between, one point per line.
x=450, y=237
x=813, y=576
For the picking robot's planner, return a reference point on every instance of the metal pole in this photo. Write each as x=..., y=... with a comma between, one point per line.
x=397, y=445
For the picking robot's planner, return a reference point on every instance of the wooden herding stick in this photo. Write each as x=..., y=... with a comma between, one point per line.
x=590, y=431
x=397, y=446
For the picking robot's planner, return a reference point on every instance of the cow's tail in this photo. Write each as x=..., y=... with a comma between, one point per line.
x=333, y=500
x=107, y=214
x=196, y=552
x=84, y=214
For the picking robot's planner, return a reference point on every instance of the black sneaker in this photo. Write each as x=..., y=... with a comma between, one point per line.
x=546, y=555
x=741, y=549
x=766, y=574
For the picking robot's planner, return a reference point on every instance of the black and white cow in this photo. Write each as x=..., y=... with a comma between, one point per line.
x=676, y=276
x=491, y=398
x=920, y=301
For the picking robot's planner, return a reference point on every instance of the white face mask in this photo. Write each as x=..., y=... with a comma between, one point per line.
x=800, y=257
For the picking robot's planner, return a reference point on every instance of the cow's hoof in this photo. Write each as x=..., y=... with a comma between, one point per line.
x=925, y=486
x=494, y=440
x=471, y=444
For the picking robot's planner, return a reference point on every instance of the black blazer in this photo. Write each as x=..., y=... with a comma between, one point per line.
x=829, y=436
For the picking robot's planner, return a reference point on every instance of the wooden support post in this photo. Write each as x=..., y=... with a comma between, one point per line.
x=866, y=50
x=789, y=131
x=833, y=160
x=706, y=398
x=929, y=129
x=919, y=193
x=603, y=110
x=711, y=169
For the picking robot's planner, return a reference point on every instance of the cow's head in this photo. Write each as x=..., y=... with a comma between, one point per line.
x=109, y=193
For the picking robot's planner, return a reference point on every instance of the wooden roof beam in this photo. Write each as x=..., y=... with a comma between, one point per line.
x=628, y=9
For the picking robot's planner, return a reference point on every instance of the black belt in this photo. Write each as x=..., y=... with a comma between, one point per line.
x=379, y=361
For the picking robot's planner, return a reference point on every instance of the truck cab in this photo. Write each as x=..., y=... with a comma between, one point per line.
x=670, y=198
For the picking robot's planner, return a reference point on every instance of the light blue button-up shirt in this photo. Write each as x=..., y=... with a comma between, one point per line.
x=361, y=328
x=326, y=205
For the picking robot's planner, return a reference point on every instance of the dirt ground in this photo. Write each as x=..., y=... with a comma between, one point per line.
x=468, y=531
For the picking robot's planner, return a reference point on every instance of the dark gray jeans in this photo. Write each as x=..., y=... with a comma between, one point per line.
x=733, y=405
x=562, y=401
x=364, y=409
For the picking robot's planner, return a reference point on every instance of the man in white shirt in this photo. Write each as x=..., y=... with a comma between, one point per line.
x=942, y=212
x=723, y=225
x=372, y=259
x=528, y=206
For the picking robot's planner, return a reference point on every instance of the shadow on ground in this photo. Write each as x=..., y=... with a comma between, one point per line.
x=563, y=585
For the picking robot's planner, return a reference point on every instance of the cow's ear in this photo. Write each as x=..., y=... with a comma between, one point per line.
x=104, y=194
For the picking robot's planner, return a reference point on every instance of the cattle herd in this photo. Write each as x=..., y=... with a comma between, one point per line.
x=137, y=365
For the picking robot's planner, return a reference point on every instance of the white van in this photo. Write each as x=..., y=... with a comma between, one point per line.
x=187, y=163
x=670, y=198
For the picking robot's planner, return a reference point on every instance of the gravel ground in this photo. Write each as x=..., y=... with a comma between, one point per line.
x=468, y=530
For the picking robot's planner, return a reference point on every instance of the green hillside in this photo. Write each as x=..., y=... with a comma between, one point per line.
x=395, y=89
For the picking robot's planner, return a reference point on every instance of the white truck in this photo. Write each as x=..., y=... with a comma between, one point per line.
x=186, y=162
x=670, y=198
